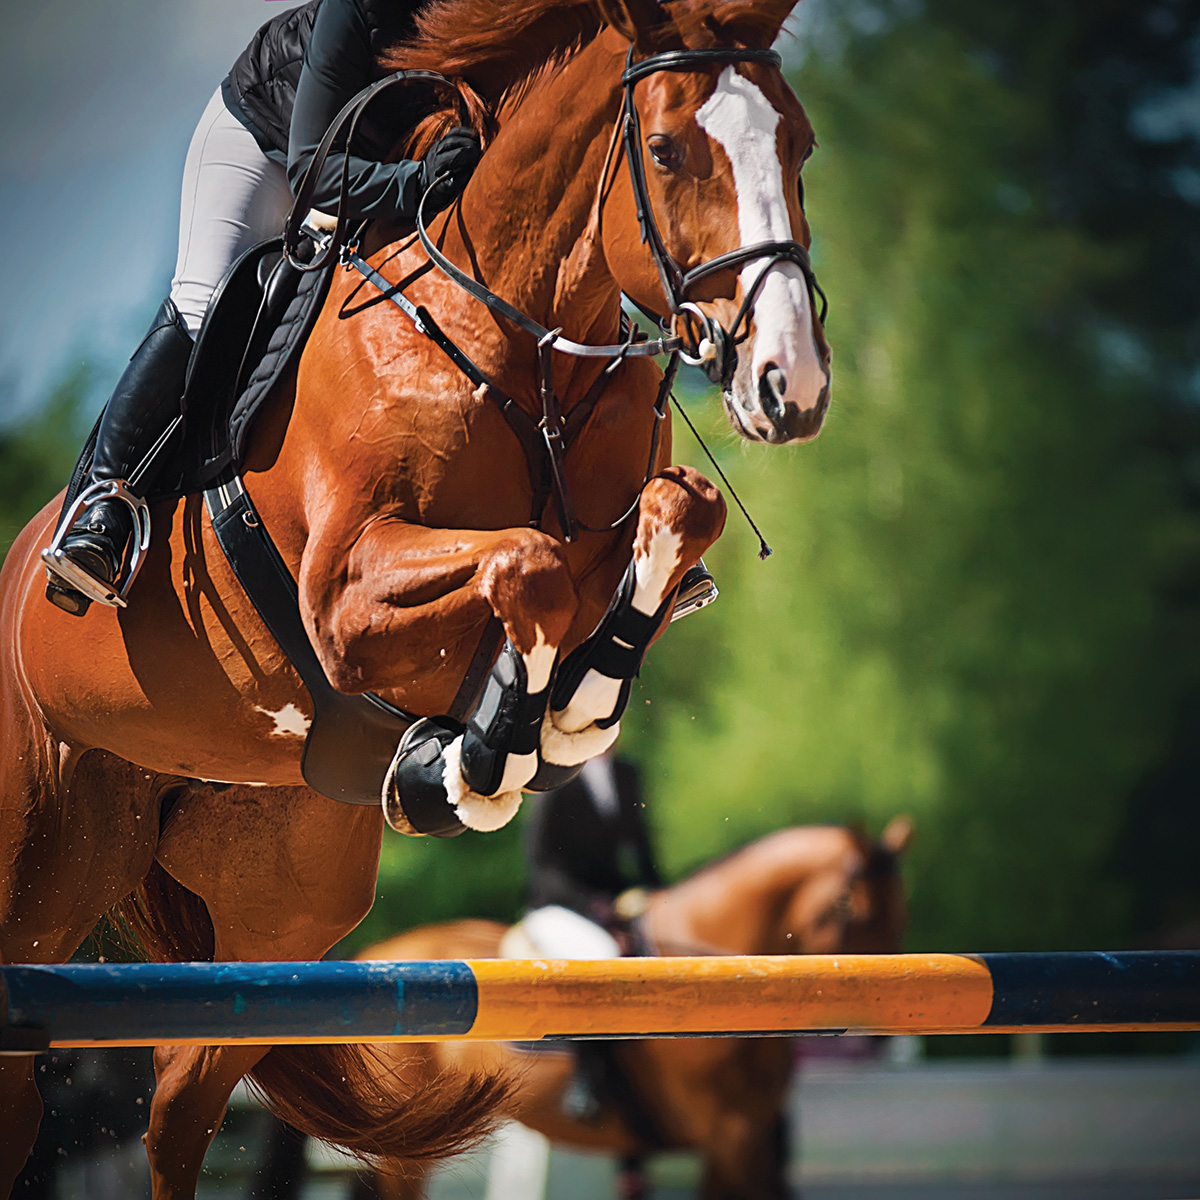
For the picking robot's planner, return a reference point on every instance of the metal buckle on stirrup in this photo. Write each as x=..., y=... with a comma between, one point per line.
x=697, y=589
x=66, y=571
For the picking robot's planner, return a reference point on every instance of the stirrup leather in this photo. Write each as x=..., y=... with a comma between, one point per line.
x=64, y=570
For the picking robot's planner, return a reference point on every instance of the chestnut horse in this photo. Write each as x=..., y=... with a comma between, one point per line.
x=807, y=890
x=151, y=755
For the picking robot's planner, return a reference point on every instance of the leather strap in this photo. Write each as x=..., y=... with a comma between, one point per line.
x=350, y=115
x=351, y=740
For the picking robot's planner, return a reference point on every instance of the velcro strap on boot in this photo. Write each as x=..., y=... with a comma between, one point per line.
x=507, y=720
x=616, y=648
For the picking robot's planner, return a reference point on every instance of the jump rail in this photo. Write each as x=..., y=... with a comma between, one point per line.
x=515, y=1000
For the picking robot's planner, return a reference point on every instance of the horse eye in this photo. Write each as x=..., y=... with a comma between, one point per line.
x=664, y=151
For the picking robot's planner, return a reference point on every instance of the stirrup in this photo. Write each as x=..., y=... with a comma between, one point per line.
x=62, y=569
x=697, y=589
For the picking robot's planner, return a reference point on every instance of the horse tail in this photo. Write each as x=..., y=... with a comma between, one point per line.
x=352, y=1096
x=347, y=1095
x=163, y=921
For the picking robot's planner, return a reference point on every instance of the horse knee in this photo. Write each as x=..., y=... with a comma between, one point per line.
x=679, y=501
x=528, y=584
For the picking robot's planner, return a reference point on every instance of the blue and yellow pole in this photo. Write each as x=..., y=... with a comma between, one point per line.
x=517, y=1000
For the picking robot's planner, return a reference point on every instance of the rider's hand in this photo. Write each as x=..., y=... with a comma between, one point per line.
x=454, y=156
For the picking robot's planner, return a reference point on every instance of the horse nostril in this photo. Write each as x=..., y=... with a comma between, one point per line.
x=771, y=388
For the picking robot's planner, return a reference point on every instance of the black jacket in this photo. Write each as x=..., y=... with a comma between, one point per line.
x=294, y=77
x=582, y=853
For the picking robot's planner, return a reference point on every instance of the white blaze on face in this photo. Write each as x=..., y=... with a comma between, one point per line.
x=738, y=117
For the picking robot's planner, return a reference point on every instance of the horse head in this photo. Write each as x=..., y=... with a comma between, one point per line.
x=711, y=210
x=810, y=889
x=851, y=900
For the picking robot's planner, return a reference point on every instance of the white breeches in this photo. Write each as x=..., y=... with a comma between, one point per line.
x=233, y=197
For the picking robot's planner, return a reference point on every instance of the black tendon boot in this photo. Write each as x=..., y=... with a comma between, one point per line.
x=86, y=563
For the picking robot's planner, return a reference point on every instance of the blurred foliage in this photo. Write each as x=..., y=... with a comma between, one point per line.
x=982, y=606
x=967, y=617
x=38, y=454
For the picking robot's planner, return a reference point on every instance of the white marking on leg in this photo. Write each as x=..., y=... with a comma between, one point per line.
x=743, y=122
x=289, y=721
x=519, y=769
x=652, y=571
x=539, y=662
x=596, y=697
x=593, y=700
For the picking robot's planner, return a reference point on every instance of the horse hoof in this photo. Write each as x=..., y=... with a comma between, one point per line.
x=414, y=797
x=551, y=775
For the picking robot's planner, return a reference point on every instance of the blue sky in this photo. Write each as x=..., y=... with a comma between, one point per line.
x=98, y=99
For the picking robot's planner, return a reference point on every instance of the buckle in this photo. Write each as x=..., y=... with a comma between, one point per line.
x=65, y=570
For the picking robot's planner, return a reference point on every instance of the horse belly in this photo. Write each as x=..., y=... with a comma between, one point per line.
x=186, y=680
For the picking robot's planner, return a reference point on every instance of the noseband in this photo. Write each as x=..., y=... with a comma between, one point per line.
x=714, y=349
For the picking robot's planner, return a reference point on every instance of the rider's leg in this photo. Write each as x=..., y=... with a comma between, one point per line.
x=140, y=409
x=233, y=196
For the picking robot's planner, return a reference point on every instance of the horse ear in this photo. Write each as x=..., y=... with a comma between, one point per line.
x=897, y=834
x=637, y=20
x=749, y=20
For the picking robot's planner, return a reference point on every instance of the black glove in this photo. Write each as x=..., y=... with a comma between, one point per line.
x=454, y=156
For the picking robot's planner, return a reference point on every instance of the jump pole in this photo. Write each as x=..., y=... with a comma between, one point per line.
x=146, y=1004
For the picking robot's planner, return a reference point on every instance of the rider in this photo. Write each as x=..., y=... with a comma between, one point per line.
x=589, y=851
x=253, y=145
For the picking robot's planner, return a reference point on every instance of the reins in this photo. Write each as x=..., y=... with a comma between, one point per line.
x=546, y=441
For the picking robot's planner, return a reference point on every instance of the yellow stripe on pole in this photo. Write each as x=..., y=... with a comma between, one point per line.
x=527, y=999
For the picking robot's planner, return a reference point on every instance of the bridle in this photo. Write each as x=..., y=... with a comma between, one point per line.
x=714, y=349
x=718, y=357
x=718, y=362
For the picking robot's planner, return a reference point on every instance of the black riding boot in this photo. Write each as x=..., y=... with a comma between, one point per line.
x=144, y=403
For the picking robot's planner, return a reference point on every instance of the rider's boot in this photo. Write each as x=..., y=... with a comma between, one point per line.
x=145, y=401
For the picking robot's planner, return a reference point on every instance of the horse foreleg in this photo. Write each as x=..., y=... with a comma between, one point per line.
x=283, y=874
x=680, y=515
x=401, y=612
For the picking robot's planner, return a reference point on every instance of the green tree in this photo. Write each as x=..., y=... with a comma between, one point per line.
x=963, y=618
x=37, y=454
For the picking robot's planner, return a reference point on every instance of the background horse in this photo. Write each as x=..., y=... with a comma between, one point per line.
x=808, y=890
x=403, y=505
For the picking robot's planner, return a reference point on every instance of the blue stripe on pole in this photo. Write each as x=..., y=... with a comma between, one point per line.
x=1095, y=988
x=154, y=1001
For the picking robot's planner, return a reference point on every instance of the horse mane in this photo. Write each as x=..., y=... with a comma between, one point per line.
x=878, y=861
x=494, y=50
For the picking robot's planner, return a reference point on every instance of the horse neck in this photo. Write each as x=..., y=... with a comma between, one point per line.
x=737, y=906
x=526, y=212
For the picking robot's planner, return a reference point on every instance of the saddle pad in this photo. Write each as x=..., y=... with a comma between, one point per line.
x=285, y=340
